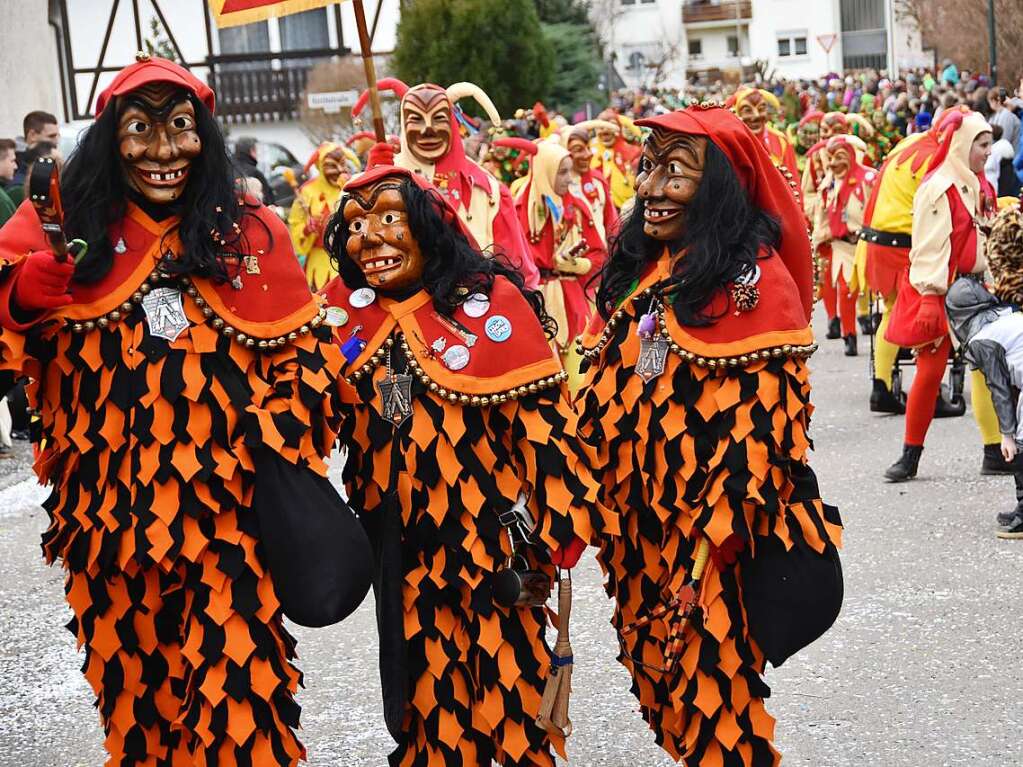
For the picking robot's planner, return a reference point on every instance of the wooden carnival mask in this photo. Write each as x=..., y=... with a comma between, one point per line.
x=335, y=168
x=158, y=140
x=839, y=162
x=752, y=110
x=607, y=136
x=426, y=115
x=379, y=238
x=670, y=172
x=579, y=149
x=832, y=124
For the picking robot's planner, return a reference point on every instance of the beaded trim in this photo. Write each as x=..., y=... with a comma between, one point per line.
x=218, y=324
x=787, y=350
x=462, y=398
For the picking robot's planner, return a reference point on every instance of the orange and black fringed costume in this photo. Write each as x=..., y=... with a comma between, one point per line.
x=155, y=390
x=451, y=422
x=701, y=435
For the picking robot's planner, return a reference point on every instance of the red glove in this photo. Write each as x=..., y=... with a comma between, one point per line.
x=567, y=557
x=726, y=554
x=41, y=282
x=930, y=317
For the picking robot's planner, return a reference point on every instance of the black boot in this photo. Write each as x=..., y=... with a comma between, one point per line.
x=850, y=345
x=866, y=325
x=883, y=401
x=945, y=407
x=834, y=329
x=875, y=320
x=993, y=463
x=905, y=468
x=1007, y=518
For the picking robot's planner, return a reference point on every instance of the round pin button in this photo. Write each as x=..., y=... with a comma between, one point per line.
x=456, y=357
x=498, y=328
x=335, y=316
x=362, y=297
x=477, y=305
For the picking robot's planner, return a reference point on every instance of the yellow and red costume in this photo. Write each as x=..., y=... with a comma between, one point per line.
x=313, y=206
x=148, y=445
x=476, y=441
x=712, y=449
x=775, y=141
x=617, y=159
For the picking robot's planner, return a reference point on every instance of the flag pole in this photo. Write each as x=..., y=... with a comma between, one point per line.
x=371, y=74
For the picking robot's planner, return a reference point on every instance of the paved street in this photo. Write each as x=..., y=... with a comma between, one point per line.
x=921, y=669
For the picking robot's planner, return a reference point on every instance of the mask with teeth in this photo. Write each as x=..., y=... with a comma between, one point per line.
x=158, y=139
x=379, y=238
x=427, y=116
x=752, y=110
x=670, y=172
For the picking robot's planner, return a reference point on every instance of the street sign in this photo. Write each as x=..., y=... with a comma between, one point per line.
x=332, y=102
x=827, y=42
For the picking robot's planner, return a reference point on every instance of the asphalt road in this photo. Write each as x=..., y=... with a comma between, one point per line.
x=920, y=670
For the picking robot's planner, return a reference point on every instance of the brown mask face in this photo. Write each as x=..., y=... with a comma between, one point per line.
x=832, y=125
x=426, y=115
x=839, y=162
x=607, y=136
x=579, y=148
x=380, y=240
x=335, y=169
x=158, y=139
x=753, y=112
x=670, y=174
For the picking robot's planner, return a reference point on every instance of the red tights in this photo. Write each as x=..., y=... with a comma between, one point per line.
x=930, y=369
x=846, y=307
x=828, y=293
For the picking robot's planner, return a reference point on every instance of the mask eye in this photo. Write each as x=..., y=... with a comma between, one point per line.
x=357, y=226
x=646, y=165
x=390, y=218
x=137, y=127
x=675, y=168
x=182, y=122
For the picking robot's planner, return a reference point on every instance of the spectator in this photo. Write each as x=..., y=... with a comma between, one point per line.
x=950, y=73
x=1003, y=117
x=29, y=157
x=999, y=162
x=245, y=160
x=8, y=167
x=37, y=126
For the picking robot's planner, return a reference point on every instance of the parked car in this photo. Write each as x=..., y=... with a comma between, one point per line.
x=70, y=135
x=281, y=168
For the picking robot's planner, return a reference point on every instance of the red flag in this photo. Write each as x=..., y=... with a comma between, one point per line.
x=230, y=13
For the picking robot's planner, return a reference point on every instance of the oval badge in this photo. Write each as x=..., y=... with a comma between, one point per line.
x=498, y=328
x=456, y=357
x=476, y=305
x=362, y=298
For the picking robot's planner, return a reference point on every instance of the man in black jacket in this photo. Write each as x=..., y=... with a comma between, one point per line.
x=245, y=159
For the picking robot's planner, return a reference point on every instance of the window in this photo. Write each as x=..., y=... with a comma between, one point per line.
x=695, y=47
x=648, y=1
x=302, y=32
x=733, y=46
x=792, y=44
x=247, y=38
x=628, y=2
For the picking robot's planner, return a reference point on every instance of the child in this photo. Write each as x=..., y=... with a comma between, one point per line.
x=991, y=334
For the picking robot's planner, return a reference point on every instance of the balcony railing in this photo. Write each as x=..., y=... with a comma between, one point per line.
x=258, y=95
x=694, y=11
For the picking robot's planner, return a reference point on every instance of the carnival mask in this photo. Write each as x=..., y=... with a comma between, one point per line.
x=335, y=168
x=832, y=124
x=158, y=140
x=753, y=111
x=607, y=136
x=839, y=162
x=427, y=117
x=379, y=238
x=808, y=134
x=579, y=148
x=563, y=177
x=670, y=174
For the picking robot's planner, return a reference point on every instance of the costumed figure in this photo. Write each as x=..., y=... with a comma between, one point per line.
x=804, y=136
x=430, y=146
x=697, y=404
x=753, y=106
x=314, y=205
x=616, y=157
x=885, y=137
x=836, y=230
x=588, y=183
x=464, y=462
x=362, y=141
x=567, y=246
x=951, y=211
x=181, y=348
x=882, y=258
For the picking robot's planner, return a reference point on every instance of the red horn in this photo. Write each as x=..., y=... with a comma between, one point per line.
x=522, y=144
x=384, y=84
x=360, y=135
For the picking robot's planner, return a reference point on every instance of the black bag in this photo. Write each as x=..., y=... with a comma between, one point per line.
x=792, y=597
x=317, y=551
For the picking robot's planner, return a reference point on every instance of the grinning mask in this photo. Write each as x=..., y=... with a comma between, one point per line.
x=379, y=239
x=426, y=114
x=670, y=173
x=158, y=140
x=752, y=110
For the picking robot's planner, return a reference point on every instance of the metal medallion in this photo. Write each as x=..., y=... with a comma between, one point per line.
x=439, y=345
x=456, y=357
x=336, y=317
x=476, y=305
x=653, y=355
x=362, y=298
x=498, y=328
x=396, y=393
x=165, y=313
x=120, y=247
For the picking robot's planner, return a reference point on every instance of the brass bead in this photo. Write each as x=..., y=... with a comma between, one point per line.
x=207, y=312
x=442, y=392
x=114, y=316
x=281, y=340
x=701, y=362
x=533, y=389
x=433, y=386
x=126, y=307
x=218, y=323
x=357, y=375
x=675, y=348
x=154, y=276
x=367, y=368
x=776, y=352
x=304, y=330
x=425, y=379
x=185, y=279
x=102, y=322
x=228, y=331
x=136, y=297
x=78, y=327
x=250, y=342
x=513, y=394
x=293, y=336
x=389, y=342
x=200, y=301
x=192, y=291
x=474, y=401
x=262, y=344
x=144, y=288
x=712, y=363
x=315, y=321
x=743, y=360
x=484, y=401
x=787, y=349
x=242, y=338
x=464, y=399
x=89, y=325
x=452, y=397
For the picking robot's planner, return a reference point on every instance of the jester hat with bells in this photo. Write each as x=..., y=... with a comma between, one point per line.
x=582, y=130
x=950, y=167
x=538, y=188
x=455, y=160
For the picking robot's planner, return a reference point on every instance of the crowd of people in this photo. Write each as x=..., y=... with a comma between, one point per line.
x=527, y=337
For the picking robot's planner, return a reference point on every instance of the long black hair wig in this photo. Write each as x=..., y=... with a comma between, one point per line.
x=453, y=269
x=723, y=237
x=95, y=195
